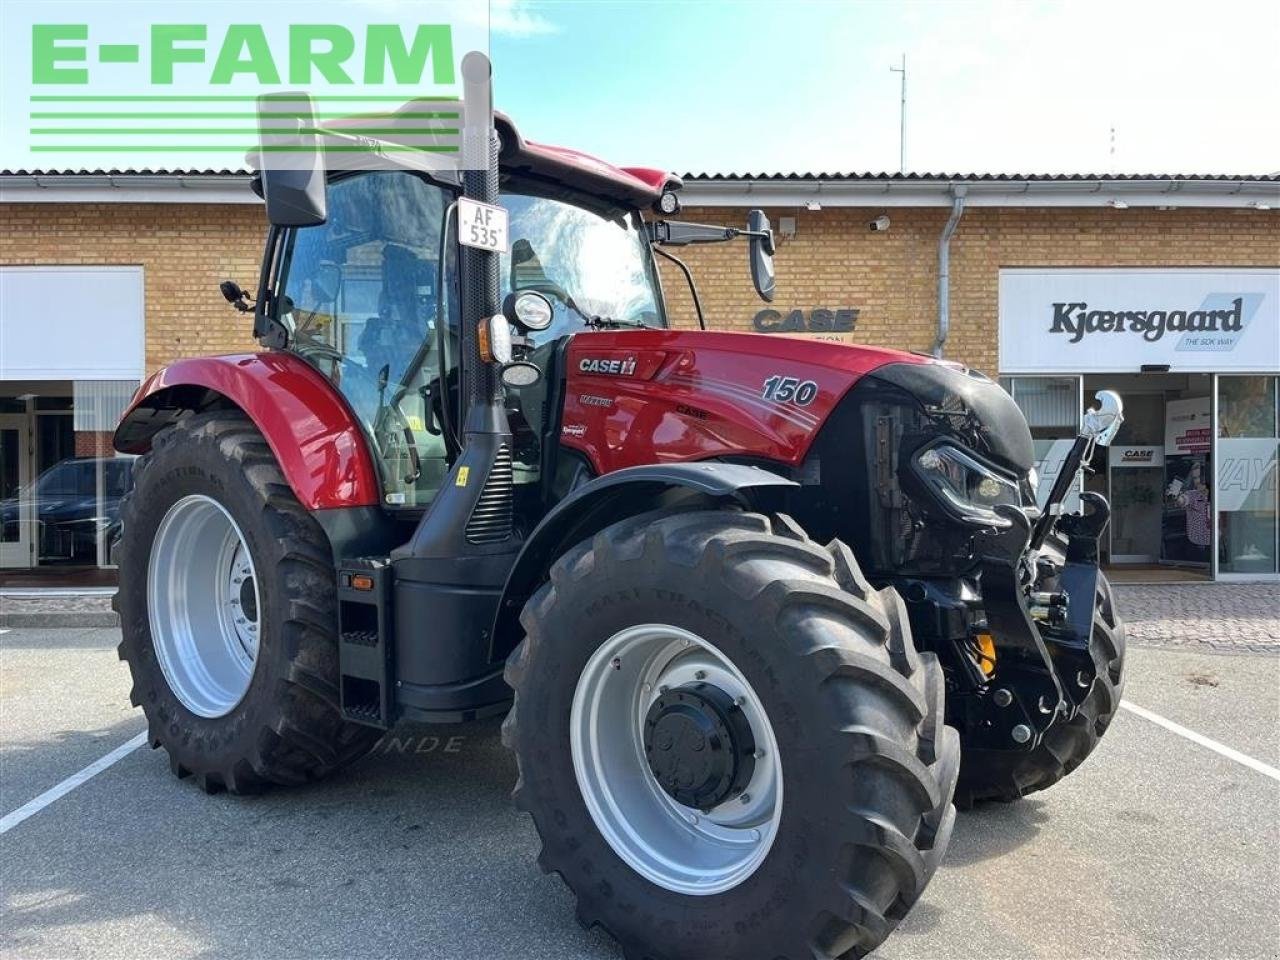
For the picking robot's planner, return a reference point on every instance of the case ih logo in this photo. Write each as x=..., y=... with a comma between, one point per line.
x=1076, y=319
x=617, y=367
x=1146, y=455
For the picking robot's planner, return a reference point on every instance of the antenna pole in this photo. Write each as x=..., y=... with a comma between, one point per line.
x=902, y=117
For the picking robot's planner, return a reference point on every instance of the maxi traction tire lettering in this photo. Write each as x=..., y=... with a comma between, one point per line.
x=1006, y=776
x=288, y=728
x=868, y=765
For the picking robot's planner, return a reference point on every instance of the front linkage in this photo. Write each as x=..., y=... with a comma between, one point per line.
x=1040, y=596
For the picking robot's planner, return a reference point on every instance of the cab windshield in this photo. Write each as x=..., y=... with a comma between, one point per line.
x=594, y=268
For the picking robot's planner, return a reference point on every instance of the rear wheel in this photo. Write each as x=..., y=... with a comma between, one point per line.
x=1010, y=775
x=727, y=741
x=228, y=613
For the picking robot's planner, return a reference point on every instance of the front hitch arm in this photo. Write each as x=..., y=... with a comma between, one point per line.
x=1014, y=712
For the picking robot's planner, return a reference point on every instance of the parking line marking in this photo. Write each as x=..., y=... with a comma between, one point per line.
x=32, y=807
x=1243, y=759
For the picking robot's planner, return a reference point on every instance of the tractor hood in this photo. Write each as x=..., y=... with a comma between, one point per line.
x=649, y=396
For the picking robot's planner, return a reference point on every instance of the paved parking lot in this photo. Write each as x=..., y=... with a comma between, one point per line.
x=1159, y=847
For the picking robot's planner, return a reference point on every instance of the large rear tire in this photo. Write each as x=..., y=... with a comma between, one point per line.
x=846, y=811
x=228, y=613
x=1005, y=776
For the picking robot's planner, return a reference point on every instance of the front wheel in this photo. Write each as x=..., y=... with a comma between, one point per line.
x=728, y=742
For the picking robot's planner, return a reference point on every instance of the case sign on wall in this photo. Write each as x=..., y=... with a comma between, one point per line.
x=1131, y=456
x=1087, y=320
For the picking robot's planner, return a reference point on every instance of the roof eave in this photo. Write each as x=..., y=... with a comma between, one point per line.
x=217, y=188
x=889, y=192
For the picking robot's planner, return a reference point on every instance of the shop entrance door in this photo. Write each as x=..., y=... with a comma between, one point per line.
x=1136, y=482
x=1156, y=474
x=15, y=475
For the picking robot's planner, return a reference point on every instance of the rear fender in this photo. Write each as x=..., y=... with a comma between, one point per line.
x=315, y=437
x=613, y=497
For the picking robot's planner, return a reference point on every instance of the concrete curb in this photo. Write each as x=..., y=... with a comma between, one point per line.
x=51, y=620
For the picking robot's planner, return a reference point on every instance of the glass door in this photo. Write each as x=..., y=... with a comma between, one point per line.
x=1248, y=447
x=15, y=476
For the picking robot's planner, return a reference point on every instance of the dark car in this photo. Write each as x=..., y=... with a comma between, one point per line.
x=69, y=508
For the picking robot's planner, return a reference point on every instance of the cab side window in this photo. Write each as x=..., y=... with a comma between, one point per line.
x=360, y=297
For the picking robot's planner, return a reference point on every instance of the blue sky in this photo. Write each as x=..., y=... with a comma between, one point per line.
x=992, y=86
x=1188, y=86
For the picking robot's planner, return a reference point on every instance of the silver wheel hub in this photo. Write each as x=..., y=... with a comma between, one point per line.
x=202, y=603
x=626, y=710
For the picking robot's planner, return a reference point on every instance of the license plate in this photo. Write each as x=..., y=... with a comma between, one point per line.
x=483, y=226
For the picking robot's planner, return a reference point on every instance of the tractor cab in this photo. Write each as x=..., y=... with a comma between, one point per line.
x=367, y=291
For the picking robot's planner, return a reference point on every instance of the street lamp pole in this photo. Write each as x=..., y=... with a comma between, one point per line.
x=902, y=117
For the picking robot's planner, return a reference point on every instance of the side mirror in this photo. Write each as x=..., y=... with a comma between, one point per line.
x=761, y=253
x=235, y=295
x=292, y=162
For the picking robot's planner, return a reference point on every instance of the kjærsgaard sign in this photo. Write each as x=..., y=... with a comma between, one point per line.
x=1117, y=320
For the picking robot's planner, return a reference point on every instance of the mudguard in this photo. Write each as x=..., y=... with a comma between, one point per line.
x=606, y=500
x=315, y=437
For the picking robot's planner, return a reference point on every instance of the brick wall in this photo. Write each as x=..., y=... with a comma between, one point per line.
x=185, y=250
x=891, y=277
x=834, y=262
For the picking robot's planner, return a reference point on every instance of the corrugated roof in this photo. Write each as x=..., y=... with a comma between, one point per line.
x=797, y=176
x=978, y=177
x=114, y=172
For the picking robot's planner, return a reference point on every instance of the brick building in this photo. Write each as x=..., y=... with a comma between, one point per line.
x=105, y=278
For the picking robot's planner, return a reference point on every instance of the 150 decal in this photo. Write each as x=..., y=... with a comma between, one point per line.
x=790, y=390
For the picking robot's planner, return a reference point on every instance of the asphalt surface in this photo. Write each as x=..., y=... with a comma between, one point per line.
x=1156, y=848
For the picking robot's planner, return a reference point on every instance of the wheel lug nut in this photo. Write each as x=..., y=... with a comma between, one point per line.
x=693, y=818
x=1021, y=733
x=700, y=675
x=616, y=663
x=1003, y=698
x=759, y=754
x=1082, y=679
x=744, y=799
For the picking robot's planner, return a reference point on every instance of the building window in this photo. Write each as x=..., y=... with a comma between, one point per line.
x=61, y=482
x=1248, y=496
x=1052, y=407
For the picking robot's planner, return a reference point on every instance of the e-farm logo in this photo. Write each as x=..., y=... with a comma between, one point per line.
x=316, y=51
x=141, y=84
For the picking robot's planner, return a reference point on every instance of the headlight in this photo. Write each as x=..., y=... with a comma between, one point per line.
x=966, y=486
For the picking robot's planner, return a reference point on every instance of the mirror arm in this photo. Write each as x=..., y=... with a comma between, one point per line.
x=688, y=276
x=678, y=233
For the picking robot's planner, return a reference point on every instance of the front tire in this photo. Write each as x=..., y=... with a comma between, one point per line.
x=228, y=613
x=823, y=669
x=1007, y=775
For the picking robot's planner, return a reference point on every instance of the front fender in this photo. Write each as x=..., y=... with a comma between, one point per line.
x=606, y=500
x=314, y=435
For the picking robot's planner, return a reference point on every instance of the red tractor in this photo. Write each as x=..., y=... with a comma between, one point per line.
x=752, y=605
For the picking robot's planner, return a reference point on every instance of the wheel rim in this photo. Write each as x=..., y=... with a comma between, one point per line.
x=678, y=847
x=202, y=602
